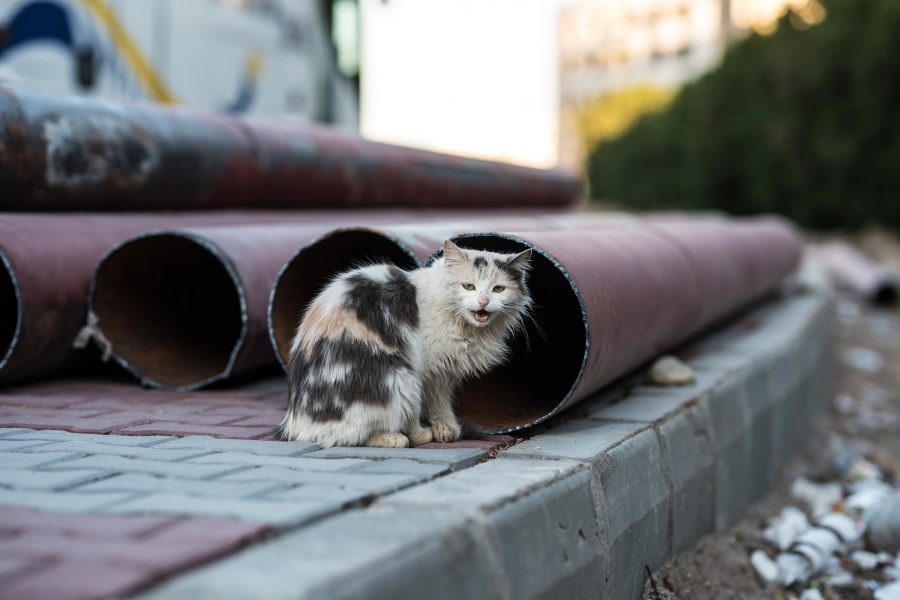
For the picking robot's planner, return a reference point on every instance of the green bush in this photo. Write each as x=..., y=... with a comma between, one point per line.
x=804, y=122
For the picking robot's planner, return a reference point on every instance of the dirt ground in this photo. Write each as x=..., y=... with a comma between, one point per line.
x=863, y=420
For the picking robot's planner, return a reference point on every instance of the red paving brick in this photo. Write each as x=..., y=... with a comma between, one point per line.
x=70, y=556
x=488, y=443
x=86, y=406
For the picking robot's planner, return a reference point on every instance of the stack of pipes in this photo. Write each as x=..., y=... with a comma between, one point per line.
x=260, y=214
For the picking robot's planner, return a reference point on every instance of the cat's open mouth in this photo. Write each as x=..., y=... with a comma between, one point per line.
x=481, y=315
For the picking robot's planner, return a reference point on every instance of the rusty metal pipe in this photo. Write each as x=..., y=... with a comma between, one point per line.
x=47, y=261
x=183, y=308
x=609, y=297
x=406, y=245
x=73, y=153
x=46, y=265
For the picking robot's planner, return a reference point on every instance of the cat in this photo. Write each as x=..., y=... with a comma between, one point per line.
x=380, y=347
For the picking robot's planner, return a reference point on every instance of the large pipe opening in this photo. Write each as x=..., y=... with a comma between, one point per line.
x=170, y=307
x=10, y=310
x=545, y=363
x=311, y=269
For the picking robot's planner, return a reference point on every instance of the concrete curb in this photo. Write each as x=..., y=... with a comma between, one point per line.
x=582, y=509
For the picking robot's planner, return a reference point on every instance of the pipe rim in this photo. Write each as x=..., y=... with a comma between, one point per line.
x=289, y=263
x=213, y=250
x=566, y=399
x=13, y=343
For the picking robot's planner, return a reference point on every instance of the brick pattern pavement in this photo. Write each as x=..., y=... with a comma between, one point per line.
x=97, y=406
x=72, y=557
x=91, y=516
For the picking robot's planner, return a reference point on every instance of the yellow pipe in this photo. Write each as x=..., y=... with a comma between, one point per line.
x=142, y=67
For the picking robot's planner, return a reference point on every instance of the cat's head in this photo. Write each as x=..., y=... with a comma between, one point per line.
x=486, y=289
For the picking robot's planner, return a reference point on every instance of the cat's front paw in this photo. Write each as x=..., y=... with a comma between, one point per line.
x=388, y=440
x=445, y=431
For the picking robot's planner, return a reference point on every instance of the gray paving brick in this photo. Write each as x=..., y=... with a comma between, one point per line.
x=635, y=500
x=52, y=501
x=650, y=404
x=761, y=401
x=26, y=479
x=400, y=466
x=373, y=553
x=363, y=481
x=485, y=486
x=211, y=444
x=549, y=542
x=6, y=431
x=730, y=420
x=142, y=482
x=19, y=445
x=324, y=492
x=56, y=435
x=290, y=462
x=88, y=447
x=582, y=439
x=456, y=458
x=686, y=440
x=20, y=460
x=122, y=464
x=260, y=511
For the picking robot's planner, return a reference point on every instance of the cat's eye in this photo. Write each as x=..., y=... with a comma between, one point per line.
x=498, y=289
x=469, y=286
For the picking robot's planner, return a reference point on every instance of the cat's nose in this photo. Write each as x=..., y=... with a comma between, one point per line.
x=483, y=301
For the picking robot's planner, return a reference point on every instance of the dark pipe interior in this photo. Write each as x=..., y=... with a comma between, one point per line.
x=9, y=310
x=170, y=308
x=312, y=268
x=542, y=369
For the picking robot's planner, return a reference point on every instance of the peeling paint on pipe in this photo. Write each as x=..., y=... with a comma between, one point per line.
x=609, y=296
x=73, y=153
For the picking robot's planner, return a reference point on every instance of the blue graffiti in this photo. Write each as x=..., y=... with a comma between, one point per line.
x=37, y=22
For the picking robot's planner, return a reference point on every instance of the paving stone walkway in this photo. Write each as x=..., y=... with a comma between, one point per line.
x=110, y=490
x=149, y=506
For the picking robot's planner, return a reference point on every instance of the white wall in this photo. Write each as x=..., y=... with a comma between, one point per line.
x=473, y=77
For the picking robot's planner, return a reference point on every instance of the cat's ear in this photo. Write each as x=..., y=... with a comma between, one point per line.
x=453, y=254
x=520, y=262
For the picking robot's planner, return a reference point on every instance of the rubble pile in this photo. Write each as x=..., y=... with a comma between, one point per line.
x=844, y=534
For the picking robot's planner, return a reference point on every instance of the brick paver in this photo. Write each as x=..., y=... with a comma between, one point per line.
x=69, y=557
x=97, y=406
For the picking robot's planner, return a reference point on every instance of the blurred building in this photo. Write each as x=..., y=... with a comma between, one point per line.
x=622, y=58
x=535, y=81
x=296, y=58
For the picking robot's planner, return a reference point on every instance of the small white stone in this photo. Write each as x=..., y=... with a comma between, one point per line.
x=764, y=565
x=669, y=370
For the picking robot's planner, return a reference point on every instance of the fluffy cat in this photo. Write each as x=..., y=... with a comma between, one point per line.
x=380, y=347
